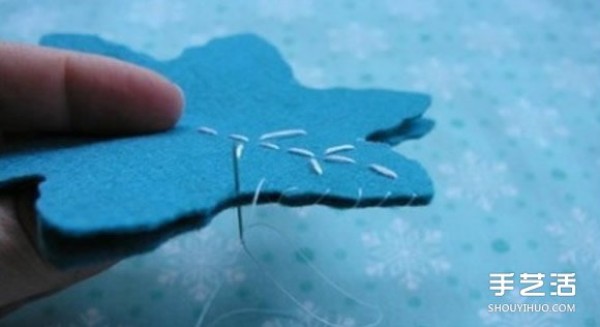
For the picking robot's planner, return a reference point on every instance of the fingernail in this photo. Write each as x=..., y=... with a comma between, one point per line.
x=180, y=90
x=181, y=94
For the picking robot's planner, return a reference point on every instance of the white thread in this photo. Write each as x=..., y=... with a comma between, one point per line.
x=296, y=301
x=383, y=171
x=239, y=137
x=316, y=166
x=339, y=148
x=301, y=152
x=239, y=149
x=269, y=145
x=293, y=188
x=257, y=192
x=283, y=134
x=214, y=294
x=413, y=197
x=207, y=130
x=339, y=158
x=317, y=271
x=322, y=197
x=208, y=304
x=360, y=193
x=387, y=196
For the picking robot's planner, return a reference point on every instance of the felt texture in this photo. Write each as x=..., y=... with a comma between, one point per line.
x=150, y=186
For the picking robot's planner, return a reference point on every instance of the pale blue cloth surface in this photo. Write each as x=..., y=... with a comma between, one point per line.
x=515, y=157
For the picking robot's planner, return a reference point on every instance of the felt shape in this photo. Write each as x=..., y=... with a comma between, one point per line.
x=107, y=197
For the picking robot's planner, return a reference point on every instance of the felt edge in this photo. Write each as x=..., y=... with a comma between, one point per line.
x=66, y=251
x=409, y=129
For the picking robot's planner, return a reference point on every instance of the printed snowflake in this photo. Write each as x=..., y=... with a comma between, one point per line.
x=404, y=253
x=416, y=10
x=538, y=10
x=358, y=40
x=302, y=318
x=92, y=317
x=442, y=78
x=156, y=14
x=579, y=238
x=200, y=262
x=474, y=179
x=527, y=122
x=285, y=10
x=487, y=38
x=310, y=322
x=578, y=78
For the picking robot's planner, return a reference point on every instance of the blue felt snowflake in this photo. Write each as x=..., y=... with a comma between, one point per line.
x=296, y=146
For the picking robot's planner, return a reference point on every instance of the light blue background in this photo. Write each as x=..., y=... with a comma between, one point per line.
x=515, y=157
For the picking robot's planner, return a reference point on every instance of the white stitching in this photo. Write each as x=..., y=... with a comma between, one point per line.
x=239, y=149
x=383, y=171
x=330, y=156
x=339, y=148
x=239, y=137
x=257, y=191
x=322, y=197
x=387, y=196
x=301, y=152
x=316, y=166
x=293, y=188
x=269, y=145
x=413, y=197
x=207, y=130
x=283, y=134
x=360, y=193
x=339, y=159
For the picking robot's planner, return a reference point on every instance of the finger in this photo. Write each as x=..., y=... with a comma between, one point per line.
x=50, y=90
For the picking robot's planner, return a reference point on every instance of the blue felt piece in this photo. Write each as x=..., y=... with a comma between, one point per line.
x=98, y=189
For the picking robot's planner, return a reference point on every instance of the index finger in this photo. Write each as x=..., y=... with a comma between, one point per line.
x=48, y=90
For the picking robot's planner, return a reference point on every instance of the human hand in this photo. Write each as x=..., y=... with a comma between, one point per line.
x=45, y=91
